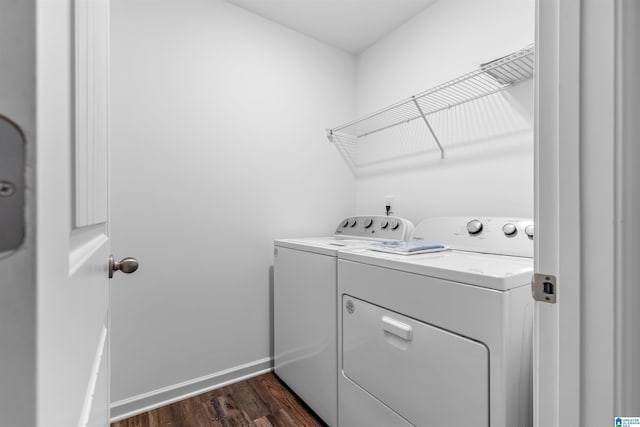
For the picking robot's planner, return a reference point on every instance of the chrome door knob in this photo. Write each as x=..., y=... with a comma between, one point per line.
x=126, y=265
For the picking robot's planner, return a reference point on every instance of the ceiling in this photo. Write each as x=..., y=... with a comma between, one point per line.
x=350, y=25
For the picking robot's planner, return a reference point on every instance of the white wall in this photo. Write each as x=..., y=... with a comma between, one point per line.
x=218, y=147
x=488, y=168
x=17, y=278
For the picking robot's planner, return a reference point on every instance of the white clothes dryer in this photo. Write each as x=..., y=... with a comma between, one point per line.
x=443, y=338
x=305, y=307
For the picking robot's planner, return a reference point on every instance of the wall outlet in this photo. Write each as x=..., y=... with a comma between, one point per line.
x=388, y=204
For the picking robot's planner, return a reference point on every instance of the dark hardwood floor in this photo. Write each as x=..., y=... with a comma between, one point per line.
x=262, y=401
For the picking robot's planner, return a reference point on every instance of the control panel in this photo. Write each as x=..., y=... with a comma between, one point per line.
x=375, y=226
x=510, y=229
x=495, y=235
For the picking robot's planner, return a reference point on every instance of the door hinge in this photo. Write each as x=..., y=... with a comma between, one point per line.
x=544, y=288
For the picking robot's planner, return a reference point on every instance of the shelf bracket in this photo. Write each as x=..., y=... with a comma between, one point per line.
x=415, y=101
x=330, y=135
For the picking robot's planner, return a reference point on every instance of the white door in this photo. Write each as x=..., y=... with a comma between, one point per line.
x=73, y=245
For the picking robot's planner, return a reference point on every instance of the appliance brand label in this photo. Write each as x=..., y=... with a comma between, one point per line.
x=350, y=307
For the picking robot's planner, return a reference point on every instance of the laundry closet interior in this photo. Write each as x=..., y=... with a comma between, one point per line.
x=225, y=135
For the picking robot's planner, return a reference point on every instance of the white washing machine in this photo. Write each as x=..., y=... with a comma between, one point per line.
x=305, y=307
x=439, y=339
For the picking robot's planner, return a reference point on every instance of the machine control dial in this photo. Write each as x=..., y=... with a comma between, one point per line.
x=474, y=226
x=345, y=223
x=368, y=222
x=352, y=222
x=528, y=230
x=509, y=229
x=394, y=224
x=384, y=224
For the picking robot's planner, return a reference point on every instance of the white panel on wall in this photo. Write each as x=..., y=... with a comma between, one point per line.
x=92, y=91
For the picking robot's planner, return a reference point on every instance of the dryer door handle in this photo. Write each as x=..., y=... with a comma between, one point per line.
x=397, y=328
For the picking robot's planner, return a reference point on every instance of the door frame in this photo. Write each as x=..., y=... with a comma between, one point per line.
x=557, y=96
x=582, y=369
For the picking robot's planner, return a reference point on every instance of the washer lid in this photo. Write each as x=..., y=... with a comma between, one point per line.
x=328, y=245
x=491, y=271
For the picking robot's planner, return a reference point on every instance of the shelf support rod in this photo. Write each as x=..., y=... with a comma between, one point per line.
x=415, y=101
x=330, y=135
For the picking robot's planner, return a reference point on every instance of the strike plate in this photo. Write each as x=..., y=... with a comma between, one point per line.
x=11, y=185
x=544, y=288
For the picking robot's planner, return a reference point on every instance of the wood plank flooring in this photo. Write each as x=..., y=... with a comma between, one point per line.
x=262, y=401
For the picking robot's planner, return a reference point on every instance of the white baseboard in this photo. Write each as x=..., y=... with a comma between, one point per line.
x=154, y=399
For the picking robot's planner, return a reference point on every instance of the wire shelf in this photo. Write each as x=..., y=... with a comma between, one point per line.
x=490, y=78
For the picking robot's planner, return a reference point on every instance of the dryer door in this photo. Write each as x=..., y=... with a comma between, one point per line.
x=426, y=375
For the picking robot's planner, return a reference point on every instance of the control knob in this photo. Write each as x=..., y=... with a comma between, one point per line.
x=368, y=222
x=509, y=229
x=384, y=224
x=474, y=226
x=345, y=223
x=528, y=230
x=352, y=222
x=394, y=224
